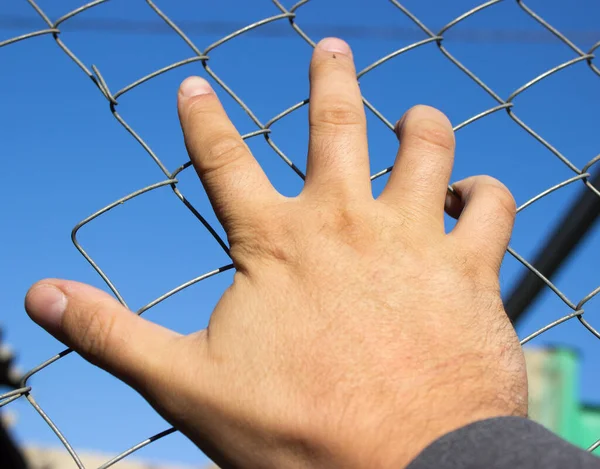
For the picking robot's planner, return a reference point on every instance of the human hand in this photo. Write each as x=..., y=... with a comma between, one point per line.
x=356, y=330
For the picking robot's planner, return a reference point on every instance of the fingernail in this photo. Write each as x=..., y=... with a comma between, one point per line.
x=46, y=305
x=333, y=44
x=194, y=86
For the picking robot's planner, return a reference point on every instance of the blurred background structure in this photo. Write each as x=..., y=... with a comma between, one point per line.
x=10, y=454
x=58, y=458
x=554, y=381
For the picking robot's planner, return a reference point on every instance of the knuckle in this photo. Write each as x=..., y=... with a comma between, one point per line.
x=222, y=150
x=338, y=113
x=476, y=270
x=352, y=227
x=429, y=126
x=505, y=202
x=200, y=106
x=97, y=330
x=332, y=63
x=270, y=236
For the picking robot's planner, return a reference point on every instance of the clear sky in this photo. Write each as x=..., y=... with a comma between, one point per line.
x=64, y=156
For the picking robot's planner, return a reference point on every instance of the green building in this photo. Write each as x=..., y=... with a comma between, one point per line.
x=554, y=381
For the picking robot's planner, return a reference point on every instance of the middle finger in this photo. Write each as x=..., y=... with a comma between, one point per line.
x=338, y=153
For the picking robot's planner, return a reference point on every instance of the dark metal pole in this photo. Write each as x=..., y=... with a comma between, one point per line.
x=571, y=229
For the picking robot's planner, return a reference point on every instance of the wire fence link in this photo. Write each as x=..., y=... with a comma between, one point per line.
x=52, y=29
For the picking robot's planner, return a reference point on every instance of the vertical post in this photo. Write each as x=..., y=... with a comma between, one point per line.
x=569, y=231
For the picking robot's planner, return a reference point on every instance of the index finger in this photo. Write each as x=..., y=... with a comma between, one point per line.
x=234, y=181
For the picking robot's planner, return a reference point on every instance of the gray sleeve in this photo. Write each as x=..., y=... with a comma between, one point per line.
x=503, y=443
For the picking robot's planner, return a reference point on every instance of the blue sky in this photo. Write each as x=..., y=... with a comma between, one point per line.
x=64, y=156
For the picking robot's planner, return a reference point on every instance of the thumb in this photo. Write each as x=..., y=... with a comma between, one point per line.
x=103, y=331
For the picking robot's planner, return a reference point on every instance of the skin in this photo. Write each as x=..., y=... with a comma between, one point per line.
x=356, y=330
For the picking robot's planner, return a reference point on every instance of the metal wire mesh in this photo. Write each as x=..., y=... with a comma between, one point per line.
x=291, y=17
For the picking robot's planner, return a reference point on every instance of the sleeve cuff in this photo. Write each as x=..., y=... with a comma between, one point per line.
x=503, y=443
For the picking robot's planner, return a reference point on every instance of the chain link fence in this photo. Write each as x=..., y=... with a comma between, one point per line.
x=292, y=17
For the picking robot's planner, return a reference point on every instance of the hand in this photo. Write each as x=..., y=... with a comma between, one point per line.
x=356, y=330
